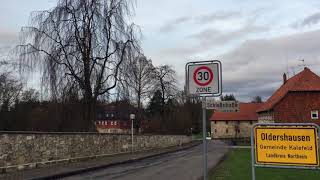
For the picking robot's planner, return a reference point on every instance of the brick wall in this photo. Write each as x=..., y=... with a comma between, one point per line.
x=296, y=107
x=221, y=129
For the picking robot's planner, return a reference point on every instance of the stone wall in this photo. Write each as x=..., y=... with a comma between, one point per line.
x=231, y=129
x=31, y=149
x=114, y=130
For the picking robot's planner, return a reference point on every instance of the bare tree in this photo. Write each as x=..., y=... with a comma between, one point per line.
x=122, y=90
x=80, y=41
x=257, y=99
x=30, y=95
x=139, y=77
x=165, y=81
x=10, y=89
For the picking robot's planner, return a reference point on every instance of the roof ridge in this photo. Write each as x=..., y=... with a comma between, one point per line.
x=305, y=80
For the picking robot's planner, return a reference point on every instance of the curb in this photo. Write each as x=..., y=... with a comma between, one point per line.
x=84, y=170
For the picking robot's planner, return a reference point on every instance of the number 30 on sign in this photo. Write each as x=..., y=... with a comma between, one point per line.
x=204, y=78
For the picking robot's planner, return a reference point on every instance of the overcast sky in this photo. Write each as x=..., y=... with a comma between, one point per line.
x=257, y=41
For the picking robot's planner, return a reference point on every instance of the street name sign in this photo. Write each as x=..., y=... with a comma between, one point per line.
x=286, y=145
x=222, y=106
x=204, y=78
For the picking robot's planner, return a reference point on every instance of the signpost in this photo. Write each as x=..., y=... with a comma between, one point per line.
x=285, y=145
x=204, y=78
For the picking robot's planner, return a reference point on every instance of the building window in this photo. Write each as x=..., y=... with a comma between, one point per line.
x=314, y=114
x=215, y=130
x=111, y=123
x=238, y=130
x=215, y=122
x=227, y=122
x=115, y=123
x=227, y=131
x=250, y=122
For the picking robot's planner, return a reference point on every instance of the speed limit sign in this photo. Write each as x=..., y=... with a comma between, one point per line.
x=204, y=78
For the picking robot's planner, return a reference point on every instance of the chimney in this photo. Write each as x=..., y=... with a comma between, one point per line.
x=284, y=78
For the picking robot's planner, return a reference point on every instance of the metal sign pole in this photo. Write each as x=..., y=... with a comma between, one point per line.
x=204, y=78
x=204, y=136
x=252, y=156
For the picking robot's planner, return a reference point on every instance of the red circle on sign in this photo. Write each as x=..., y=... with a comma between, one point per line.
x=210, y=76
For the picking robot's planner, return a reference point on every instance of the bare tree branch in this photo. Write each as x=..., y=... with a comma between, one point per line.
x=80, y=41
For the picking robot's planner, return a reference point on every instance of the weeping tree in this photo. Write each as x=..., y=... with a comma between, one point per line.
x=81, y=44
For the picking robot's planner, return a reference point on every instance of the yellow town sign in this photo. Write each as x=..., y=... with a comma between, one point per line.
x=285, y=145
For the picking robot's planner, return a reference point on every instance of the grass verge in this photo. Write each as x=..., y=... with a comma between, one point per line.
x=237, y=166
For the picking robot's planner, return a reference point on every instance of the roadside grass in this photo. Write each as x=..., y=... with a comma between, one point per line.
x=197, y=136
x=237, y=166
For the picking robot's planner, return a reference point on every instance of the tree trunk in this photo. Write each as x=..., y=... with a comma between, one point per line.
x=89, y=113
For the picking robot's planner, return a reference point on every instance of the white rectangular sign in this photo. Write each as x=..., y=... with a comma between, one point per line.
x=204, y=78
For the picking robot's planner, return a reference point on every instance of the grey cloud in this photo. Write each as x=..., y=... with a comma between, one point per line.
x=201, y=19
x=213, y=37
x=7, y=37
x=308, y=21
x=209, y=38
x=171, y=25
x=216, y=16
x=7, y=41
x=256, y=67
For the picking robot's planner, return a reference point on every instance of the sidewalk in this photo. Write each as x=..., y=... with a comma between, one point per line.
x=63, y=170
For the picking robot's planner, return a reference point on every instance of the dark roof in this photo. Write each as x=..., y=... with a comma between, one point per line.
x=306, y=80
x=247, y=112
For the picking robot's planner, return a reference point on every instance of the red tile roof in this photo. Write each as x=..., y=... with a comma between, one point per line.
x=247, y=112
x=306, y=80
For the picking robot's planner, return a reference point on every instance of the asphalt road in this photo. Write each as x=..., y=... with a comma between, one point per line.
x=184, y=165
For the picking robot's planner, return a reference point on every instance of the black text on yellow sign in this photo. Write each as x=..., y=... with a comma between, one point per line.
x=295, y=146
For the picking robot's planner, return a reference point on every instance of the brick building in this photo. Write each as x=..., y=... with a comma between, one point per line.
x=114, y=118
x=234, y=124
x=296, y=101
